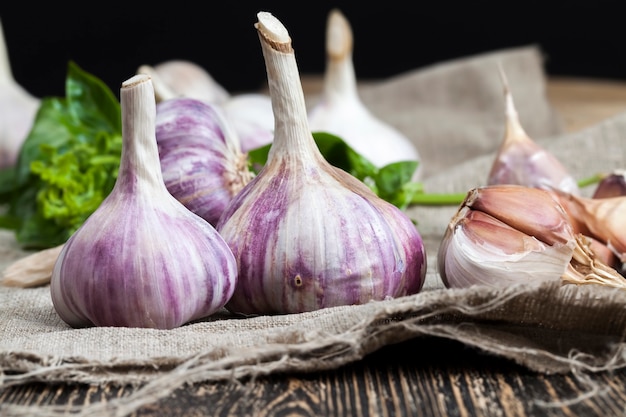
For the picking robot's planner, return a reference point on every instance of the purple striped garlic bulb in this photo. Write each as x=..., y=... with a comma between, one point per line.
x=522, y=161
x=201, y=160
x=141, y=259
x=307, y=235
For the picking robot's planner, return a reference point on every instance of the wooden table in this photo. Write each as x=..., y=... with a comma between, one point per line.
x=422, y=377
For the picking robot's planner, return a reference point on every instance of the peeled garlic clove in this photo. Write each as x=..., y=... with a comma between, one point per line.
x=341, y=112
x=18, y=109
x=251, y=116
x=612, y=185
x=307, y=235
x=201, y=159
x=508, y=234
x=180, y=78
x=141, y=259
x=521, y=161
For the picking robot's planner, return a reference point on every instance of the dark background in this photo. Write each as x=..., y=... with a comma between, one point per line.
x=583, y=39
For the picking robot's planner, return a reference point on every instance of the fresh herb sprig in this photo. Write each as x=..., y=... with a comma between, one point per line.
x=67, y=165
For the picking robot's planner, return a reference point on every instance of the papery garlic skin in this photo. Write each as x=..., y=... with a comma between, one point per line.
x=305, y=234
x=603, y=219
x=18, y=109
x=341, y=112
x=141, y=259
x=201, y=159
x=521, y=161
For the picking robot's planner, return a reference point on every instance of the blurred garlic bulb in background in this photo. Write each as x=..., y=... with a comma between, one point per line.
x=185, y=79
x=249, y=114
x=520, y=160
x=341, y=112
x=18, y=109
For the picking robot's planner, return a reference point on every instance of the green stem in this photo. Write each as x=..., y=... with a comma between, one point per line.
x=434, y=199
x=594, y=179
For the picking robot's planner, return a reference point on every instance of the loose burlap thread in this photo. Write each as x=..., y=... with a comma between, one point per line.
x=454, y=112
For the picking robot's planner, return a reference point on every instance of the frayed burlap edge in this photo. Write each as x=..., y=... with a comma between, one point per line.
x=512, y=323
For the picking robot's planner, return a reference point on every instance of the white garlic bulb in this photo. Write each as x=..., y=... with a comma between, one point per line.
x=18, y=109
x=141, y=259
x=307, y=235
x=341, y=112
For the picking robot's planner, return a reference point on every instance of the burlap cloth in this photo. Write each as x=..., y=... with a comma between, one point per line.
x=454, y=111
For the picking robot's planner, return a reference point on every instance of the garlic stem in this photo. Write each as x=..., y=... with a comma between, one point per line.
x=292, y=135
x=340, y=80
x=137, y=173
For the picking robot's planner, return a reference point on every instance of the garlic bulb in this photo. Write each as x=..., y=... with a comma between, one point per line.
x=201, y=160
x=252, y=118
x=141, y=259
x=612, y=185
x=520, y=160
x=307, y=235
x=18, y=109
x=341, y=112
x=504, y=235
x=249, y=114
x=180, y=78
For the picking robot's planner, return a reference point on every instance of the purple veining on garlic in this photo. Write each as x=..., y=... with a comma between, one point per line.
x=305, y=234
x=293, y=276
x=201, y=162
x=142, y=259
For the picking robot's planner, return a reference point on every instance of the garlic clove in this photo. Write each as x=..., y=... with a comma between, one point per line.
x=141, y=259
x=507, y=234
x=180, y=78
x=479, y=249
x=612, y=185
x=603, y=219
x=307, y=235
x=18, y=110
x=202, y=164
x=341, y=112
x=520, y=160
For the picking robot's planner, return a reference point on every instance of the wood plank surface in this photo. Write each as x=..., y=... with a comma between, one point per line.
x=427, y=377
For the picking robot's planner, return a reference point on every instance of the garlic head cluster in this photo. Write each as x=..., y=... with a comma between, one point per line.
x=504, y=235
